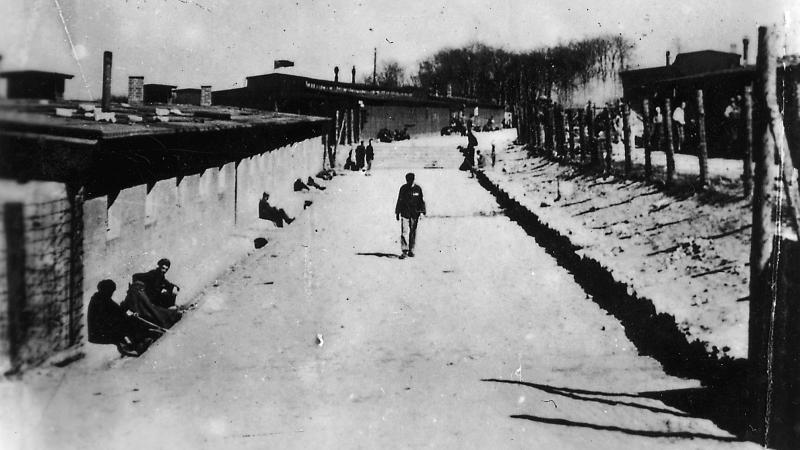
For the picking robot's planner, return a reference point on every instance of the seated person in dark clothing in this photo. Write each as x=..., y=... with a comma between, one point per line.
x=159, y=290
x=108, y=323
x=325, y=175
x=300, y=186
x=313, y=183
x=137, y=302
x=269, y=212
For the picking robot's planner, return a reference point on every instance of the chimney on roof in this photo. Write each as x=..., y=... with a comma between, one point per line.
x=135, y=90
x=353, y=72
x=205, y=95
x=745, y=48
x=106, y=101
x=667, y=57
x=336, y=74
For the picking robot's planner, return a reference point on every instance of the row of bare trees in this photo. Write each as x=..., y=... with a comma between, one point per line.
x=495, y=74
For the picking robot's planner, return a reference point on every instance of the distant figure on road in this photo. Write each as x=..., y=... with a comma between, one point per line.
x=469, y=152
x=410, y=204
x=269, y=212
x=370, y=155
x=679, y=119
x=159, y=290
x=361, y=152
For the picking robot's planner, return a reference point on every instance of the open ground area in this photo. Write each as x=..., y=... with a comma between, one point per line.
x=326, y=339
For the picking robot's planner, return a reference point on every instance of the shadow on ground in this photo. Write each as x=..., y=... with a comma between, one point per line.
x=721, y=405
x=378, y=254
x=654, y=334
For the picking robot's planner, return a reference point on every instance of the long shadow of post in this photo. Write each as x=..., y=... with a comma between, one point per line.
x=707, y=403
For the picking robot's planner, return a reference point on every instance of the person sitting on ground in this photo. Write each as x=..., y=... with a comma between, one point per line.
x=271, y=213
x=159, y=290
x=349, y=164
x=481, y=160
x=138, y=302
x=313, y=183
x=326, y=174
x=300, y=186
x=108, y=323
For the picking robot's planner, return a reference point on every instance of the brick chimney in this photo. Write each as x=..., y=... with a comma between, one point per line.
x=205, y=95
x=336, y=74
x=353, y=72
x=667, y=58
x=745, y=49
x=135, y=90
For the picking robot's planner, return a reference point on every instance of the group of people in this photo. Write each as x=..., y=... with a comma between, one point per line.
x=148, y=311
x=364, y=157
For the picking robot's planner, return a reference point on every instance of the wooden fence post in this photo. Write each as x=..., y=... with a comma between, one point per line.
x=350, y=126
x=626, y=136
x=14, y=225
x=551, y=125
x=609, y=163
x=646, y=138
x=559, y=132
x=762, y=248
x=336, y=133
x=747, y=158
x=702, y=149
x=570, y=126
x=582, y=134
x=668, y=147
x=592, y=141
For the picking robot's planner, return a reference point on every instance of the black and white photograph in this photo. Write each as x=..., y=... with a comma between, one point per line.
x=351, y=224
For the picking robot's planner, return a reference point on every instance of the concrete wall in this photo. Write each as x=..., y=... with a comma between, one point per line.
x=190, y=220
x=425, y=119
x=203, y=223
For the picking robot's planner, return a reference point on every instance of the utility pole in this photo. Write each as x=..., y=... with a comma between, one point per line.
x=375, y=67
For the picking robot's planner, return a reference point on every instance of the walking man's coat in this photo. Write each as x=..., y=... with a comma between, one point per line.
x=410, y=204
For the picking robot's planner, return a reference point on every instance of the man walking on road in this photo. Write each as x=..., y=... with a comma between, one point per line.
x=410, y=204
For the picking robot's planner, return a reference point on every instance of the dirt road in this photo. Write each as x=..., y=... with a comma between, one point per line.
x=480, y=341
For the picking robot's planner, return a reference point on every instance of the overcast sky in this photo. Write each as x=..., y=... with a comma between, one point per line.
x=220, y=42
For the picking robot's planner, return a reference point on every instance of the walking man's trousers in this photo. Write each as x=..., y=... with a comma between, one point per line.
x=408, y=233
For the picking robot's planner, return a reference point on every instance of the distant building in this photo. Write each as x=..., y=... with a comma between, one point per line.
x=35, y=84
x=719, y=74
x=193, y=96
x=373, y=107
x=158, y=93
x=187, y=96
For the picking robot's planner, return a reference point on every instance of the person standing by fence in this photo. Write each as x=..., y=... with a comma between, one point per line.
x=679, y=121
x=658, y=129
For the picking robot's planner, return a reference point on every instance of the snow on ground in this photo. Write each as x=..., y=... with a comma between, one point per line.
x=686, y=251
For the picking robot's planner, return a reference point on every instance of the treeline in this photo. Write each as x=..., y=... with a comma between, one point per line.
x=488, y=73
